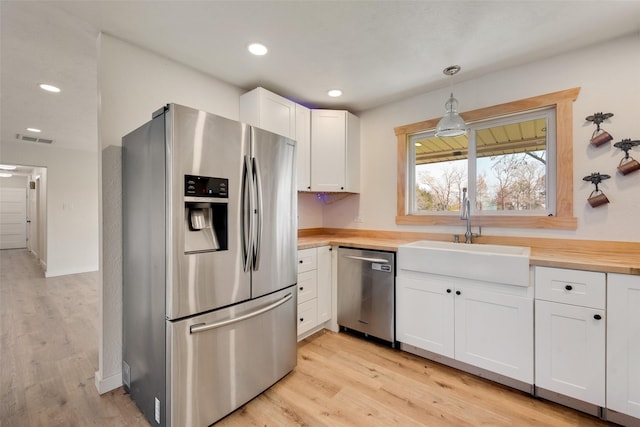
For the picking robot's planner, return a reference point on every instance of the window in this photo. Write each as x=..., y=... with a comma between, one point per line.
x=507, y=164
x=517, y=161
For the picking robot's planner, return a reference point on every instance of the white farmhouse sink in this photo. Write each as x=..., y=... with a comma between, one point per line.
x=489, y=263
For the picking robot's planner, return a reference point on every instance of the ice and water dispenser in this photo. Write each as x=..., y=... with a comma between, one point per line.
x=206, y=205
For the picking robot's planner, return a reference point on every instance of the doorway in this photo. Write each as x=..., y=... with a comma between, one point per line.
x=23, y=209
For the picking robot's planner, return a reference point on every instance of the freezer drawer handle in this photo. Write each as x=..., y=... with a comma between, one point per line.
x=361, y=258
x=201, y=327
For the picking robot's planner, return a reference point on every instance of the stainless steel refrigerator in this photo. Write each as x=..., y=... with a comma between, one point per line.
x=209, y=264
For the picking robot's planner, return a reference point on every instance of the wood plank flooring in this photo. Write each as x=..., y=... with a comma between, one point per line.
x=48, y=356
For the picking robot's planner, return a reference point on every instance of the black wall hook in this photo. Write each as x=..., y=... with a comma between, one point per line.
x=596, y=178
x=626, y=145
x=598, y=118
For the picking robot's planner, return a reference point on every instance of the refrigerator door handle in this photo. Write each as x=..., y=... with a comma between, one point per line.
x=202, y=327
x=361, y=258
x=246, y=209
x=257, y=185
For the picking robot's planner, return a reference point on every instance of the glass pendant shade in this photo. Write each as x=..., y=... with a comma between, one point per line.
x=451, y=123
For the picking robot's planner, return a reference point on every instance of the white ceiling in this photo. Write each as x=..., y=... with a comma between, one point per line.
x=375, y=51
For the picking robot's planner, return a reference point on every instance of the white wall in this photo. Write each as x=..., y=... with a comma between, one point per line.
x=133, y=84
x=608, y=76
x=72, y=204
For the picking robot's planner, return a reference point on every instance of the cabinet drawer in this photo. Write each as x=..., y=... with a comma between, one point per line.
x=307, y=260
x=576, y=287
x=307, y=316
x=307, y=286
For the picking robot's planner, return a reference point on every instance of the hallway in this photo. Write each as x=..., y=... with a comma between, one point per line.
x=48, y=350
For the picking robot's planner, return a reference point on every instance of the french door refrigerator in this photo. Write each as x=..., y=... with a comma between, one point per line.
x=209, y=265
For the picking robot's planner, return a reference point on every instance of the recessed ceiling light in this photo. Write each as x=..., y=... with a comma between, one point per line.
x=49, y=88
x=258, y=49
x=7, y=167
x=34, y=130
x=334, y=93
x=418, y=144
x=5, y=175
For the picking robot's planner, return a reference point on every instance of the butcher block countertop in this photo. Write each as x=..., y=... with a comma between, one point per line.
x=592, y=255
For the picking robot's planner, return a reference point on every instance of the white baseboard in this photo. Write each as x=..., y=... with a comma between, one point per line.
x=104, y=385
x=64, y=272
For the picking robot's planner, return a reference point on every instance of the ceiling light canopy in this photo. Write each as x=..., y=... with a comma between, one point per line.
x=49, y=88
x=258, y=49
x=451, y=123
x=334, y=93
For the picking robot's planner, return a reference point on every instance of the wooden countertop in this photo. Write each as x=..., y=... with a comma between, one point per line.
x=605, y=256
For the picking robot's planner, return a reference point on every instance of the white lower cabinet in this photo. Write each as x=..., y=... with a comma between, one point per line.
x=314, y=288
x=623, y=344
x=570, y=351
x=570, y=333
x=482, y=324
x=494, y=330
x=424, y=312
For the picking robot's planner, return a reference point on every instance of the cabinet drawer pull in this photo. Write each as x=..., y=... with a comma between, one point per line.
x=300, y=261
x=448, y=291
x=302, y=319
x=597, y=316
x=458, y=292
x=568, y=287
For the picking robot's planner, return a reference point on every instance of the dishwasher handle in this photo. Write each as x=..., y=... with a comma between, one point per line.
x=362, y=258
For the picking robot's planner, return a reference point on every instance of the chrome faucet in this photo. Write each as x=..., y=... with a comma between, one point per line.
x=465, y=214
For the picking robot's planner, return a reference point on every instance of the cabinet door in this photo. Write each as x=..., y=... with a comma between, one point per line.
x=424, y=313
x=623, y=344
x=494, y=331
x=277, y=114
x=570, y=351
x=303, y=147
x=328, y=150
x=269, y=111
x=324, y=283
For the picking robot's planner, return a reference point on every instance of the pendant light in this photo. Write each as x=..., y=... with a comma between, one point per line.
x=451, y=123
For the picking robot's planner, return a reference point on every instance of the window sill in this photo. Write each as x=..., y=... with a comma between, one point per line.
x=510, y=221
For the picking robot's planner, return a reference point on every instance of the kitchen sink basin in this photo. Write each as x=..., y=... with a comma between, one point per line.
x=488, y=263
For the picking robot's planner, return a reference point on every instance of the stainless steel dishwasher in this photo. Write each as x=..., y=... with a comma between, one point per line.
x=366, y=292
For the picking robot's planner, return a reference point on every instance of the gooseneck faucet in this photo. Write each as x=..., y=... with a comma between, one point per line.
x=465, y=214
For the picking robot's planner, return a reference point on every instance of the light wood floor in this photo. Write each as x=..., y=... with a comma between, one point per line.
x=48, y=356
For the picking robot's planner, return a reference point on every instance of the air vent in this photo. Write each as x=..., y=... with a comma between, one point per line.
x=33, y=139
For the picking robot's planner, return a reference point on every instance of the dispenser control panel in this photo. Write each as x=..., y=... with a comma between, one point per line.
x=204, y=186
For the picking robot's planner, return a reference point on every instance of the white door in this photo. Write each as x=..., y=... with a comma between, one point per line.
x=494, y=331
x=13, y=218
x=424, y=312
x=570, y=351
x=623, y=344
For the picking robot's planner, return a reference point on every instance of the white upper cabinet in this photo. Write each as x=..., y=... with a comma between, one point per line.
x=269, y=111
x=335, y=151
x=303, y=147
x=328, y=141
